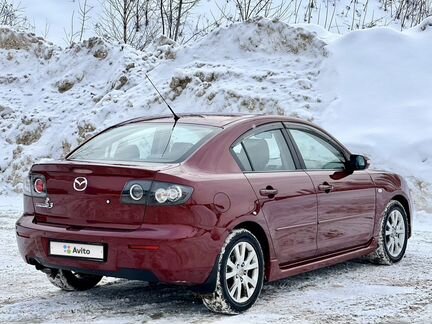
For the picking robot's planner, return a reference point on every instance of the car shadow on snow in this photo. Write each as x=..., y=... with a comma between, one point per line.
x=157, y=301
x=132, y=300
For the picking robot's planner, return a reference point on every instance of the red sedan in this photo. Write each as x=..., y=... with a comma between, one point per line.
x=220, y=203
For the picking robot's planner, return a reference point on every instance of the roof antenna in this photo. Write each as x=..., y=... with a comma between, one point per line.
x=175, y=116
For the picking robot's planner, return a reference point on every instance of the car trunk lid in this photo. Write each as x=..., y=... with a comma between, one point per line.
x=89, y=194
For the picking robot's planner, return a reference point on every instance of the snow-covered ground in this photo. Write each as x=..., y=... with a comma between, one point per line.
x=351, y=292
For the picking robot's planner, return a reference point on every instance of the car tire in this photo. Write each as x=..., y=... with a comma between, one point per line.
x=393, y=236
x=73, y=281
x=240, y=274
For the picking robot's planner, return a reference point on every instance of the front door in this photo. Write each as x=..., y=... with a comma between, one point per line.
x=346, y=199
x=284, y=193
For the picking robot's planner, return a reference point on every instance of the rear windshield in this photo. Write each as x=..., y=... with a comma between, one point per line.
x=145, y=142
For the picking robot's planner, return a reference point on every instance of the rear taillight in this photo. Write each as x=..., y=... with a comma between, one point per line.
x=39, y=186
x=155, y=193
x=172, y=193
x=136, y=192
x=27, y=186
x=35, y=185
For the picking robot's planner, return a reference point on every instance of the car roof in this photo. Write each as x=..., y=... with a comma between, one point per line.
x=211, y=119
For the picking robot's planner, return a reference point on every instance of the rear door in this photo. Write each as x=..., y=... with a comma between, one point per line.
x=346, y=199
x=284, y=193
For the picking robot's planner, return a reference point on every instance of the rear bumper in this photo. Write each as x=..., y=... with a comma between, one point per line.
x=184, y=255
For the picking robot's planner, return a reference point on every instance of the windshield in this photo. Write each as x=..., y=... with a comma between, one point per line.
x=145, y=142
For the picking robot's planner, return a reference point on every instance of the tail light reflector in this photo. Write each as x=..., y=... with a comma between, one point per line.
x=39, y=186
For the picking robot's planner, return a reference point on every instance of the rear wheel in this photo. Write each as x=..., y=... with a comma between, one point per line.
x=71, y=281
x=240, y=276
x=393, y=237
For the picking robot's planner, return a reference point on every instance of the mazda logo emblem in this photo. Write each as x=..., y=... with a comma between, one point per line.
x=80, y=184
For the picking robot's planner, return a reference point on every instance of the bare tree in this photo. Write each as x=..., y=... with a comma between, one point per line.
x=84, y=17
x=248, y=9
x=70, y=35
x=138, y=22
x=133, y=22
x=173, y=16
x=11, y=14
x=410, y=12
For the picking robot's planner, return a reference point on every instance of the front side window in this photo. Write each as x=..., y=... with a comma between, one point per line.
x=145, y=142
x=265, y=151
x=317, y=153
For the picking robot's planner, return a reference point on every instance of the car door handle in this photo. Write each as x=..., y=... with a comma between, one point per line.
x=268, y=192
x=325, y=187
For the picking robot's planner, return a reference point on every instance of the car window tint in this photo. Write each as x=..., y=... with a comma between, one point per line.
x=268, y=151
x=241, y=156
x=145, y=142
x=316, y=152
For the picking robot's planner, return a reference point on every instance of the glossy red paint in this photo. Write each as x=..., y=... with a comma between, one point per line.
x=301, y=228
x=341, y=225
x=294, y=238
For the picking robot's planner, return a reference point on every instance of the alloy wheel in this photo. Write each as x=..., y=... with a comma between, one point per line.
x=395, y=233
x=242, y=271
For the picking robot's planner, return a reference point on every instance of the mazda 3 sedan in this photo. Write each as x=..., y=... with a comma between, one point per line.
x=219, y=203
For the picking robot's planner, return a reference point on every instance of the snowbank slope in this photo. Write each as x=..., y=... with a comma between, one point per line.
x=378, y=85
x=369, y=88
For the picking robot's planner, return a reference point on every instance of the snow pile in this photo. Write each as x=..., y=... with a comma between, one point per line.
x=378, y=85
x=11, y=40
x=369, y=88
x=260, y=36
x=259, y=66
x=45, y=92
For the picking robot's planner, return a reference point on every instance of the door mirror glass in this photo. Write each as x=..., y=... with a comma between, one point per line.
x=359, y=162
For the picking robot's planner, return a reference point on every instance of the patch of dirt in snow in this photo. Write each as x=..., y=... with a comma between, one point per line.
x=13, y=41
x=351, y=292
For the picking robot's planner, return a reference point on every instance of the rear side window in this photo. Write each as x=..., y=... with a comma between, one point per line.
x=145, y=142
x=264, y=152
x=242, y=159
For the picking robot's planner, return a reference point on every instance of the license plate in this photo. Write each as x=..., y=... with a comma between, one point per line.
x=77, y=250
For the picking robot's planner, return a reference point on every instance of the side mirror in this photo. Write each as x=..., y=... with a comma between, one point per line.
x=359, y=162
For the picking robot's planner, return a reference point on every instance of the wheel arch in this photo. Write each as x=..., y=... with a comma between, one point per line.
x=404, y=202
x=261, y=236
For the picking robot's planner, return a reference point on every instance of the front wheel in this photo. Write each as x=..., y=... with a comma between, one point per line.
x=71, y=281
x=393, y=237
x=240, y=275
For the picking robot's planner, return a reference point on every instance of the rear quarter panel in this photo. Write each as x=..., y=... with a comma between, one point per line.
x=218, y=204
